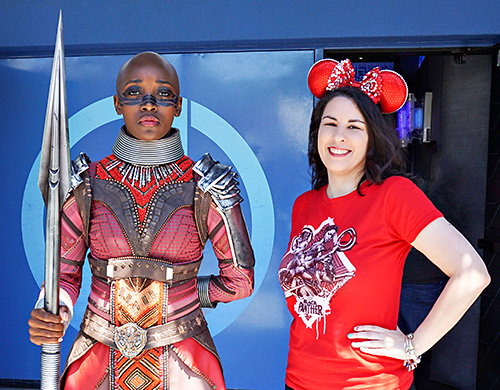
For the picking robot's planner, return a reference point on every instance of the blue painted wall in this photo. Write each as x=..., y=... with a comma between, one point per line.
x=171, y=26
x=248, y=109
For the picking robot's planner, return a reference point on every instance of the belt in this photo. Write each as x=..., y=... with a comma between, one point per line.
x=130, y=339
x=143, y=267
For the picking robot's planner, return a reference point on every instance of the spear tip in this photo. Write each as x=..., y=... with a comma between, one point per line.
x=59, y=36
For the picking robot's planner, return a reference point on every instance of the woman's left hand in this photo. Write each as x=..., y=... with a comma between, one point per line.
x=379, y=341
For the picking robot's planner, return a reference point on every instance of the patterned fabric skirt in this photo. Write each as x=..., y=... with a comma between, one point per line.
x=91, y=373
x=182, y=365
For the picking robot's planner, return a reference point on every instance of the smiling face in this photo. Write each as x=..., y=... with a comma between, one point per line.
x=147, y=95
x=343, y=140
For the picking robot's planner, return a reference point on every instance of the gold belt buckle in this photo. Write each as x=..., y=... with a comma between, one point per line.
x=130, y=339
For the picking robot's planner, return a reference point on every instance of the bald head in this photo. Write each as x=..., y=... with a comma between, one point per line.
x=147, y=59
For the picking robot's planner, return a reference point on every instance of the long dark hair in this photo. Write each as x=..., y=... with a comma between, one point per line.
x=384, y=156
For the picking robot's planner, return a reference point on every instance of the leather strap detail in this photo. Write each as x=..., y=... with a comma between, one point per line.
x=201, y=204
x=216, y=229
x=71, y=225
x=156, y=336
x=83, y=196
x=143, y=267
x=72, y=262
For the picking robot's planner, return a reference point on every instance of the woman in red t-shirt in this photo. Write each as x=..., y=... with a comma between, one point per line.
x=350, y=235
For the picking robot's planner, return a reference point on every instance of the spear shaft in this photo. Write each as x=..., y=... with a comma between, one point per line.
x=54, y=181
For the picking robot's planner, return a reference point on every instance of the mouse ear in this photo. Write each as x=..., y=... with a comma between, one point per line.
x=394, y=91
x=318, y=76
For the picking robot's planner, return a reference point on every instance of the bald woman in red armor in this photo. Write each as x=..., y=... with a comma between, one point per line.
x=146, y=212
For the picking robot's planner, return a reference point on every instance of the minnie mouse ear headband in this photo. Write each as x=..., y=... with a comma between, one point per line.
x=384, y=86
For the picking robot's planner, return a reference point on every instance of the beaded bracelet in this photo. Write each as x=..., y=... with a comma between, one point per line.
x=413, y=360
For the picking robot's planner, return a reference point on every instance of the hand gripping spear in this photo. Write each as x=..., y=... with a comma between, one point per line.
x=54, y=182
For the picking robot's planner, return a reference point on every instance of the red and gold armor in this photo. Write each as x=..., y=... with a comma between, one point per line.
x=144, y=317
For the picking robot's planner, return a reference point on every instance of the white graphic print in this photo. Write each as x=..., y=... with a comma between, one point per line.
x=315, y=268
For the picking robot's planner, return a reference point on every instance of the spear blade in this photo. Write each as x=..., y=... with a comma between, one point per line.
x=54, y=182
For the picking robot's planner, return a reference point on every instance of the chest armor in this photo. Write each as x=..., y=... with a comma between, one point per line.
x=164, y=203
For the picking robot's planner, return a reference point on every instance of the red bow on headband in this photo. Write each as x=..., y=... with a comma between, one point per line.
x=343, y=76
x=384, y=86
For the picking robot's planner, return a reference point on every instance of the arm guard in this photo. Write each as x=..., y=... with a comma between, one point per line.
x=221, y=183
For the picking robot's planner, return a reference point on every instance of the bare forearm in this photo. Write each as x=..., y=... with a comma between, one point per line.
x=448, y=249
x=459, y=294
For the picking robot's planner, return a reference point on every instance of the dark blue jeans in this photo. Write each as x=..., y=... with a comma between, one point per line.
x=415, y=303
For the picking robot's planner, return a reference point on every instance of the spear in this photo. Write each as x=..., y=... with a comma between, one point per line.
x=54, y=182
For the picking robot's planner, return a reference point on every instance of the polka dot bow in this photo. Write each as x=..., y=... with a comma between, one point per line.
x=382, y=86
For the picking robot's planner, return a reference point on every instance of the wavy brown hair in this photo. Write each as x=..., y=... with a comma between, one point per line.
x=384, y=155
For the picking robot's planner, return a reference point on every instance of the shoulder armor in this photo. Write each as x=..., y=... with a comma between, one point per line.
x=78, y=166
x=219, y=180
x=80, y=186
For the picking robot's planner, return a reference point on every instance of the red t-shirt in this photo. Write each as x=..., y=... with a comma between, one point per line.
x=343, y=268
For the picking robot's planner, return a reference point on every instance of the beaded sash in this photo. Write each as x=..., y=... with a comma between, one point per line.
x=142, y=302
